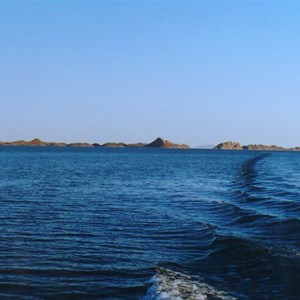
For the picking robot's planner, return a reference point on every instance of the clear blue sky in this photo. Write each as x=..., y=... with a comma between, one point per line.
x=192, y=72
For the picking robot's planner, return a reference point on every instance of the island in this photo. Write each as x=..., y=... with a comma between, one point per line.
x=229, y=145
x=160, y=143
x=157, y=143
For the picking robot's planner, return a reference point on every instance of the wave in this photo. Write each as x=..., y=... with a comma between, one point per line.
x=264, y=182
x=259, y=203
x=249, y=268
x=248, y=174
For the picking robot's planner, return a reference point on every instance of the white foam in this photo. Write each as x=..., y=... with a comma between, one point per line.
x=297, y=253
x=173, y=285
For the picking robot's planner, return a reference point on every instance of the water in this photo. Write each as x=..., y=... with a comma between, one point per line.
x=149, y=224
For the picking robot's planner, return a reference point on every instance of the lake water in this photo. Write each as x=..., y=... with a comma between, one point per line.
x=96, y=223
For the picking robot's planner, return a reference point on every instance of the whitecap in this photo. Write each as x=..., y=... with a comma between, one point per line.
x=173, y=285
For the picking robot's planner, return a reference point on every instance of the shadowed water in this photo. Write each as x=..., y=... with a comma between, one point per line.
x=149, y=224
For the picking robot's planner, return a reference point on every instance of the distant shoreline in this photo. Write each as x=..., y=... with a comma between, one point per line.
x=157, y=143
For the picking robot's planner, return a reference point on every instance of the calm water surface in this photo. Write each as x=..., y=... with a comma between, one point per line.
x=149, y=224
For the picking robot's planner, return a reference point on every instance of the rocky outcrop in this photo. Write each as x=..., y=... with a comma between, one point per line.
x=257, y=147
x=16, y=143
x=263, y=147
x=34, y=142
x=37, y=142
x=229, y=146
x=160, y=143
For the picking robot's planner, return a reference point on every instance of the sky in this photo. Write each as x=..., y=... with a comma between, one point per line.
x=194, y=72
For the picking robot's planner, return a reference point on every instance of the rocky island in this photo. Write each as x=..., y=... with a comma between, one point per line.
x=158, y=143
x=229, y=146
x=236, y=146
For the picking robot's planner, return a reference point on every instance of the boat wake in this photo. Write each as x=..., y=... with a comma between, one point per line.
x=173, y=285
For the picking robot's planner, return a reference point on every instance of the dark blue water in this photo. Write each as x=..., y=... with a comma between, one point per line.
x=149, y=224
